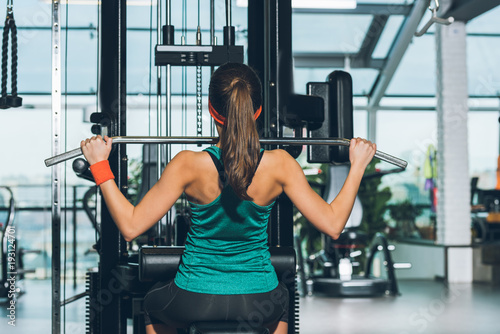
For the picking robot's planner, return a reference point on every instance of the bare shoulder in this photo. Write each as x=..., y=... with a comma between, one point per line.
x=191, y=159
x=187, y=166
x=280, y=162
x=277, y=155
x=189, y=163
x=280, y=156
x=187, y=155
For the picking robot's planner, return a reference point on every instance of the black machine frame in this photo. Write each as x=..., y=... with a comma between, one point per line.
x=269, y=37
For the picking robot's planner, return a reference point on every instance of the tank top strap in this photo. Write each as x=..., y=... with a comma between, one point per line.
x=220, y=167
x=260, y=158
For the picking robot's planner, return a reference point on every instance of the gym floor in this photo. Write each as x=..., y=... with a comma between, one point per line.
x=423, y=307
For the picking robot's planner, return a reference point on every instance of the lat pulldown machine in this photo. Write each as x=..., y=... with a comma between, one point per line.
x=115, y=291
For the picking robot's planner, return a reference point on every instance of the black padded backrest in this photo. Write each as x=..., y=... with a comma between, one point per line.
x=161, y=263
x=283, y=260
x=338, y=117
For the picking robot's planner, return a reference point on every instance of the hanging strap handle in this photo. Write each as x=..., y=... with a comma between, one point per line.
x=434, y=19
x=12, y=100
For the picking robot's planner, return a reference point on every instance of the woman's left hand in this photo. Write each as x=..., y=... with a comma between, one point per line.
x=96, y=149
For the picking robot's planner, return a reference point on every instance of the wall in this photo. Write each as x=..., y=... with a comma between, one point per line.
x=428, y=262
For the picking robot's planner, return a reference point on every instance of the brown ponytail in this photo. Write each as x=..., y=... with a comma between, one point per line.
x=240, y=141
x=235, y=93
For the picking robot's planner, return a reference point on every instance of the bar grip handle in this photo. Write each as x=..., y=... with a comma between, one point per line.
x=63, y=157
x=391, y=159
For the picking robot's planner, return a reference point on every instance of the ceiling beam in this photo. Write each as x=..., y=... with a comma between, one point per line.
x=372, y=37
x=335, y=60
x=397, y=51
x=466, y=10
x=361, y=9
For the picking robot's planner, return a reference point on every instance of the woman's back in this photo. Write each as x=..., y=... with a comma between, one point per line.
x=226, y=247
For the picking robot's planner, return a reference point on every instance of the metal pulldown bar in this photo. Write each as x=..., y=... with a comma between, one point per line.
x=213, y=140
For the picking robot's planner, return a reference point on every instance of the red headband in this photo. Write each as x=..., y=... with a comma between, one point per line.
x=221, y=119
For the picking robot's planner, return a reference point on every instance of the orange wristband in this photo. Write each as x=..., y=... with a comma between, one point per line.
x=101, y=172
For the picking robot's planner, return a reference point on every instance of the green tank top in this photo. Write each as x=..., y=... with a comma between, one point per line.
x=226, y=247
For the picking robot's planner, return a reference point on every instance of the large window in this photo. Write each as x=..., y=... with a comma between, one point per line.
x=408, y=134
x=484, y=137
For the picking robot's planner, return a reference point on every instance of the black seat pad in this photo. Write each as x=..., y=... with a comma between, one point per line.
x=223, y=328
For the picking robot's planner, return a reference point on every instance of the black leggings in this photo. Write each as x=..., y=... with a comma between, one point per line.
x=176, y=307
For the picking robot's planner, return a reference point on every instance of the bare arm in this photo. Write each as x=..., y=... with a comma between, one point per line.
x=133, y=221
x=329, y=218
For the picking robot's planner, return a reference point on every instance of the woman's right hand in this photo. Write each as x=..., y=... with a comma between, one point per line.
x=361, y=152
x=96, y=149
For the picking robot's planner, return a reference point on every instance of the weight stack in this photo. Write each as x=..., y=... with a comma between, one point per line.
x=92, y=314
x=338, y=115
x=296, y=306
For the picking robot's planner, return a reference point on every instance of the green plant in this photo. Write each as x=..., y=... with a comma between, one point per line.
x=134, y=179
x=404, y=211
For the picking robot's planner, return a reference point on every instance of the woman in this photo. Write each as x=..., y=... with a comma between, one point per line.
x=225, y=272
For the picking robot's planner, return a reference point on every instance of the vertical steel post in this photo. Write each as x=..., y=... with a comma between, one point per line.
x=257, y=54
x=56, y=170
x=212, y=22
x=112, y=94
x=168, y=80
x=228, y=13
x=283, y=68
x=212, y=42
x=74, y=235
x=168, y=96
x=229, y=32
x=159, y=150
x=158, y=95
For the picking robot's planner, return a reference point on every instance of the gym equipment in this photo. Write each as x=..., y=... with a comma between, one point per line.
x=11, y=255
x=8, y=245
x=338, y=273
x=485, y=213
x=337, y=277
x=213, y=140
x=194, y=55
x=9, y=100
x=345, y=264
